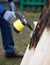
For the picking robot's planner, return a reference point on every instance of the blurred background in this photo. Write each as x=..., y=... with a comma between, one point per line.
x=31, y=9
x=30, y=5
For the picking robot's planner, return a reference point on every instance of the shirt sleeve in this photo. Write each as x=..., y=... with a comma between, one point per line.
x=2, y=10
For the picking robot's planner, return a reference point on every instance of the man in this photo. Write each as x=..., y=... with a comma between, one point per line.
x=8, y=43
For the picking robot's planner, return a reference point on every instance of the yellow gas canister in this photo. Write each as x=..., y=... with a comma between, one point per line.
x=18, y=25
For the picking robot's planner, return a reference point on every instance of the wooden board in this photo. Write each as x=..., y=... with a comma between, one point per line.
x=27, y=56
x=41, y=54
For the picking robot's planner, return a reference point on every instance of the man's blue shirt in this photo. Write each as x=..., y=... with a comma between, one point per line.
x=2, y=9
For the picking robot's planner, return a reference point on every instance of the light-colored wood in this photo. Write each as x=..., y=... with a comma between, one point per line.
x=41, y=54
x=27, y=56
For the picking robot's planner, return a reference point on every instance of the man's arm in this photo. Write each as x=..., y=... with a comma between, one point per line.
x=2, y=10
x=12, y=5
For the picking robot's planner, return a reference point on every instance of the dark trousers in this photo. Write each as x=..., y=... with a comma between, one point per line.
x=7, y=38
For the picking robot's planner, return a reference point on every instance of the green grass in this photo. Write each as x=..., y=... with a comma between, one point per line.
x=21, y=40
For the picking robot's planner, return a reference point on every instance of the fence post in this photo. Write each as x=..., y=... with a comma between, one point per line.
x=21, y=4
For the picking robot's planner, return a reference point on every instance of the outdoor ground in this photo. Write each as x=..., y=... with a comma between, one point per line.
x=21, y=40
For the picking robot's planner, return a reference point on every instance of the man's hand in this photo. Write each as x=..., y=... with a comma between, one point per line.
x=9, y=16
